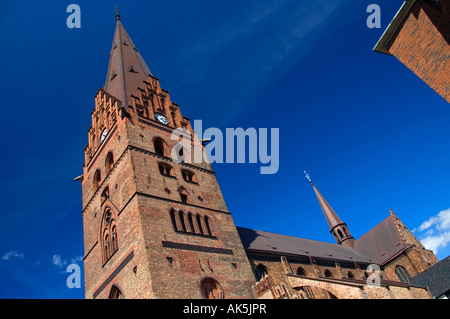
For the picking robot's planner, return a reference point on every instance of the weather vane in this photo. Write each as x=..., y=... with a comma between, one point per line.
x=117, y=11
x=307, y=177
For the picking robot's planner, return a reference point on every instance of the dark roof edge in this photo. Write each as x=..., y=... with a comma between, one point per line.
x=385, y=39
x=286, y=254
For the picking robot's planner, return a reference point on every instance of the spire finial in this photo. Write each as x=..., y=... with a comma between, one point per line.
x=307, y=177
x=117, y=12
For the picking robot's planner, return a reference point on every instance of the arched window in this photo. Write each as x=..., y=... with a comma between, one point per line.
x=328, y=273
x=199, y=224
x=211, y=289
x=109, y=236
x=115, y=293
x=207, y=226
x=173, y=219
x=182, y=224
x=97, y=179
x=340, y=233
x=301, y=271
x=350, y=275
x=191, y=222
x=402, y=274
x=109, y=162
x=160, y=148
x=260, y=272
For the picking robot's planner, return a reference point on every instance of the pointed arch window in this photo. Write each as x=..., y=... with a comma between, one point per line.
x=115, y=293
x=207, y=226
x=402, y=274
x=97, y=179
x=182, y=223
x=191, y=223
x=173, y=219
x=328, y=274
x=260, y=272
x=109, y=162
x=109, y=236
x=160, y=147
x=211, y=289
x=199, y=223
x=301, y=271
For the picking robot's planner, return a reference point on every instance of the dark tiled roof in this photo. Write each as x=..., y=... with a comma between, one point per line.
x=381, y=243
x=256, y=240
x=436, y=278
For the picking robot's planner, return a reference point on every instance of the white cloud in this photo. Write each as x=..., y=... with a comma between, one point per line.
x=57, y=261
x=12, y=254
x=436, y=230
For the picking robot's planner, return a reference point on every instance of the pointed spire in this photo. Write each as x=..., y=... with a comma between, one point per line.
x=126, y=69
x=337, y=228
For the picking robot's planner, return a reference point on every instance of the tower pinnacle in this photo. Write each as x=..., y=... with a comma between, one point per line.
x=337, y=228
x=126, y=69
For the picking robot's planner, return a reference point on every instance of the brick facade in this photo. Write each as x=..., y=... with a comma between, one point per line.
x=419, y=37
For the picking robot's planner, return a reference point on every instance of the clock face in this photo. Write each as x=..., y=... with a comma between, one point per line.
x=161, y=118
x=104, y=133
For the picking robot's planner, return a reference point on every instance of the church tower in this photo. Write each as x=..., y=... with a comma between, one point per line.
x=338, y=228
x=154, y=226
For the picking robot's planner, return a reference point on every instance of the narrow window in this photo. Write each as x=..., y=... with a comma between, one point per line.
x=159, y=147
x=207, y=226
x=97, y=179
x=182, y=224
x=172, y=218
x=109, y=236
x=402, y=274
x=199, y=224
x=191, y=222
x=109, y=162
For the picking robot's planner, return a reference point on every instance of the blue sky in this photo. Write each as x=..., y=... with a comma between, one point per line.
x=372, y=135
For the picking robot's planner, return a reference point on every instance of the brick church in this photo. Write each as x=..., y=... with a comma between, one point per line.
x=159, y=228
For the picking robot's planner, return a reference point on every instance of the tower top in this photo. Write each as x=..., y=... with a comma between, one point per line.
x=126, y=69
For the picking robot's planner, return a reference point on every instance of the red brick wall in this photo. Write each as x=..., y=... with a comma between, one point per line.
x=422, y=44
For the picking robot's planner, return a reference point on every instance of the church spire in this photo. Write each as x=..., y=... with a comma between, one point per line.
x=337, y=228
x=126, y=69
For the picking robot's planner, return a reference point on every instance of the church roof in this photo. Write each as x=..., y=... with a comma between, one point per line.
x=127, y=69
x=261, y=241
x=436, y=278
x=382, y=242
